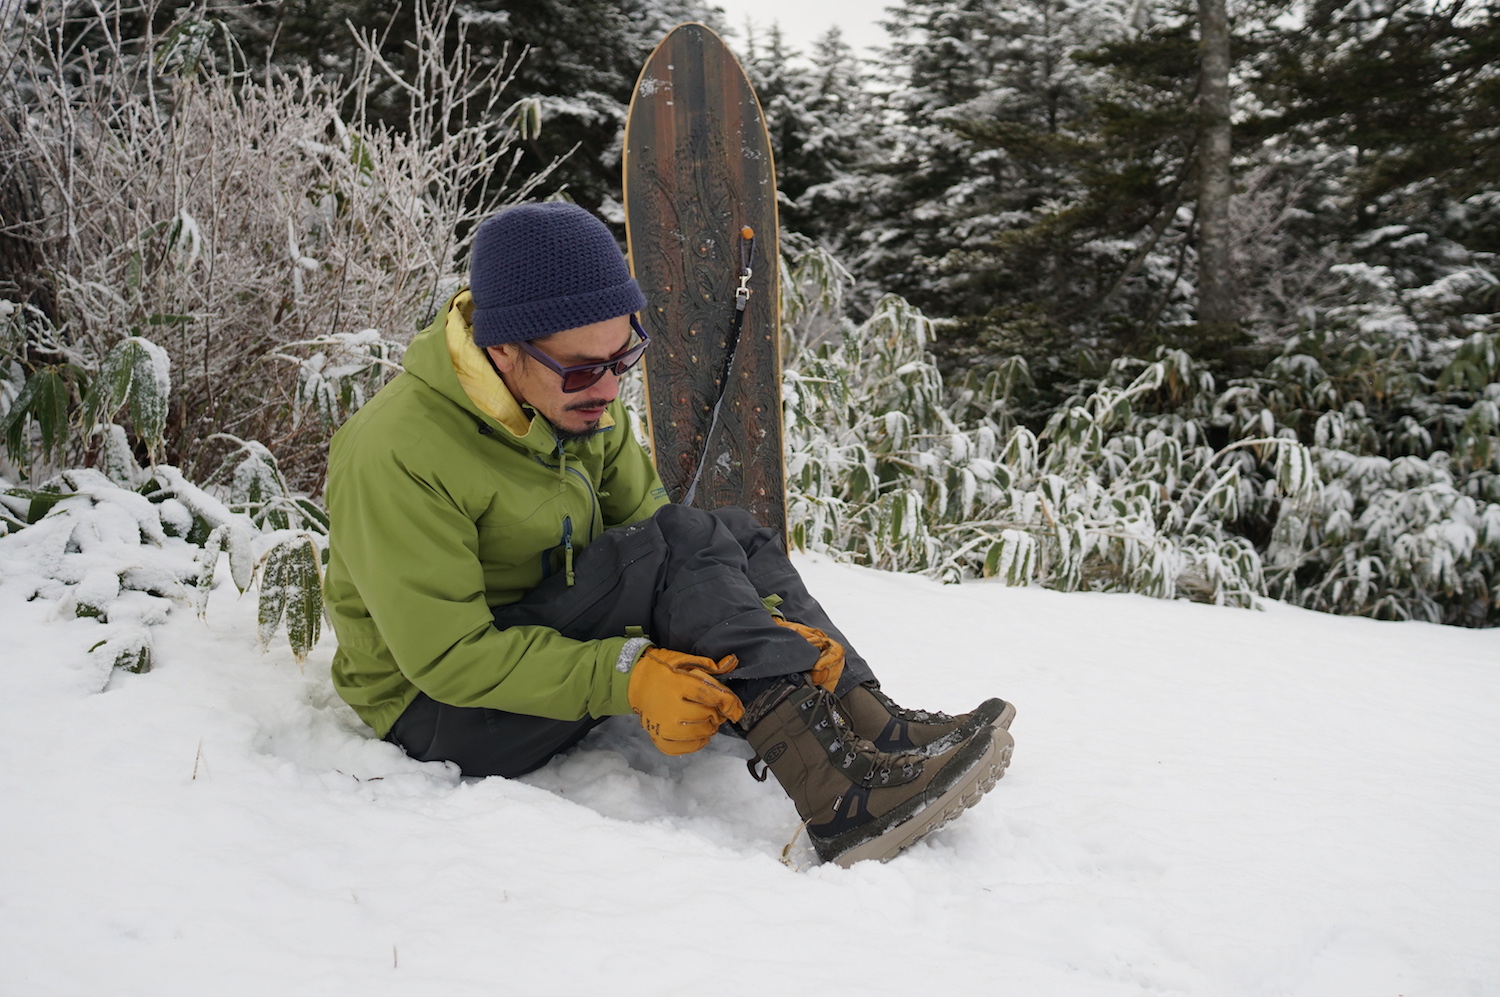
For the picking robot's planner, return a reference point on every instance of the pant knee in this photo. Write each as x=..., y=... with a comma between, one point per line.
x=685, y=527
x=745, y=528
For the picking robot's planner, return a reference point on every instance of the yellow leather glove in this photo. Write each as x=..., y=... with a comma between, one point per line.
x=830, y=664
x=680, y=702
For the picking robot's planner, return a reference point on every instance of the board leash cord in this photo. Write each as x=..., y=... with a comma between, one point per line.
x=741, y=300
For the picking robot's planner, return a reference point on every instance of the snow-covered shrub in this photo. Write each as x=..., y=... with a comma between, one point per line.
x=1405, y=442
x=257, y=489
x=136, y=372
x=342, y=373
x=125, y=553
x=1389, y=538
x=40, y=418
x=228, y=216
x=106, y=552
x=122, y=544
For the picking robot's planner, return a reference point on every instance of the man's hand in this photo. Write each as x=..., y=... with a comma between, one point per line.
x=830, y=664
x=680, y=702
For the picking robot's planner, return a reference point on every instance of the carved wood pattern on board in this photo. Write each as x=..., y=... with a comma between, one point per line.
x=697, y=170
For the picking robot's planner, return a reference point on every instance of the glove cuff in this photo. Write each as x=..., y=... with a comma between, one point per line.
x=630, y=653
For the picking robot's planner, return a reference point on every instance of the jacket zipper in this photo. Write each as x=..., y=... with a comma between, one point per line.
x=567, y=536
x=567, y=546
x=596, y=516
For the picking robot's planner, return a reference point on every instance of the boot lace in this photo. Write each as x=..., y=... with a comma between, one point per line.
x=911, y=716
x=856, y=757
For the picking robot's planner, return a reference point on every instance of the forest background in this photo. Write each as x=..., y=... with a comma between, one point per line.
x=1148, y=296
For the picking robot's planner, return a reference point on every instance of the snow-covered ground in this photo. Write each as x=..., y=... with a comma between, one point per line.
x=1203, y=801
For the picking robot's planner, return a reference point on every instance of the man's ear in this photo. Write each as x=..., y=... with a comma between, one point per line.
x=506, y=356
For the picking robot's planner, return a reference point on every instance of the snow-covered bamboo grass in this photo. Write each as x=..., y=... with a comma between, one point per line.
x=1154, y=479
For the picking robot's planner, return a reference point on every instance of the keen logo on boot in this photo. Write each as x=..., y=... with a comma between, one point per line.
x=777, y=750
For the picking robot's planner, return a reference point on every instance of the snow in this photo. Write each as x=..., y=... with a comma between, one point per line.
x=1203, y=801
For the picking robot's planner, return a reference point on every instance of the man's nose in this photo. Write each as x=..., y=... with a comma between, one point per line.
x=608, y=386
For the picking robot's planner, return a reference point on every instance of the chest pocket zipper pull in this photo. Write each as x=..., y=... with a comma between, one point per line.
x=568, y=549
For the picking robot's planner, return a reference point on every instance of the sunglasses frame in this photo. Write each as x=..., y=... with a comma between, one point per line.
x=619, y=364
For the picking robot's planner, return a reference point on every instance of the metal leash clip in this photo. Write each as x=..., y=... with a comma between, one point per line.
x=747, y=256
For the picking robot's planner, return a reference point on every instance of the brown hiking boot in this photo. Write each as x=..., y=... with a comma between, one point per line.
x=860, y=802
x=894, y=728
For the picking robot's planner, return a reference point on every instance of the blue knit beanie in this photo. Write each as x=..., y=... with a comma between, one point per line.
x=536, y=269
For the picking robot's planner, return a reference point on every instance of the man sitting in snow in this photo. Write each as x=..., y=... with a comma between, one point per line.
x=505, y=570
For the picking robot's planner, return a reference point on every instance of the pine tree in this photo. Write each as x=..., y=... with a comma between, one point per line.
x=1216, y=300
x=1408, y=93
x=846, y=139
x=823, y=125
x=981, y=213
x=1054, y=190
x=936, y=65
x=1413, y=86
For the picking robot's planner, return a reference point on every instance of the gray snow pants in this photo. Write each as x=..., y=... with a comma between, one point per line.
x=692, y=580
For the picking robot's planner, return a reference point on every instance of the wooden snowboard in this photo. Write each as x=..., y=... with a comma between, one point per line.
x=698, y=173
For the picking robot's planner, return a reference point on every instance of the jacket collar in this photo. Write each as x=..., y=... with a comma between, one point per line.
x=476, y=375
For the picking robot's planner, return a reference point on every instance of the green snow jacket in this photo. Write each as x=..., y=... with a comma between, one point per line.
x=441, y=508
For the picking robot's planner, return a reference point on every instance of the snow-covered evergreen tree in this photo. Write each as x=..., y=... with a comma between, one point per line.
x=979, y=200
x=824, y=123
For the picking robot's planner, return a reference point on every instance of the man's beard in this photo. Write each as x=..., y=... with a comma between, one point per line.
x=568, y=435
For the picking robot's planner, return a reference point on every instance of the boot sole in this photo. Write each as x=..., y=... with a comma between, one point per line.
x=937, y=806
x=1006, y=716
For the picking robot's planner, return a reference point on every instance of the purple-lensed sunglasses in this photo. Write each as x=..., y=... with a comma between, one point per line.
x=586, y=375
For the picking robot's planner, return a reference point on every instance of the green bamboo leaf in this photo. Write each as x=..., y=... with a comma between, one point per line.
x=313, y=516
x=150, y=390
x=992, y=559
x=44, y=400
x=208, y=562
x=272, y=603
x=40, y=501
x=130, y=650
x=304, y=611
x=241, y=560
x=135, y=371
x=292, y=589
x=111, y=388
